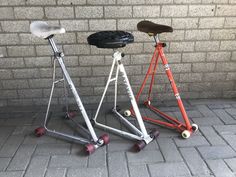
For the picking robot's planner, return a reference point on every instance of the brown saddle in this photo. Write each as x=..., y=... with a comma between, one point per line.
x=153, y=29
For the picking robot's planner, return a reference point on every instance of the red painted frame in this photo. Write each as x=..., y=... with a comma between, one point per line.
x=172, y=122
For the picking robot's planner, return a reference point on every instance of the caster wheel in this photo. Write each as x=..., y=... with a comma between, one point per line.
x=39, y=131
x=118, y=109
x=185, y=134
x=105, y=139
x=89, y=149
x=154, y=133
x=139, y=146
x=70, y=115
x=194, y=127
x=149, y=103
x=127, y=113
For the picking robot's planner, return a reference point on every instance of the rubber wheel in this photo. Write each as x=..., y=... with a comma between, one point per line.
x=105, y=139
x=185, y=134
x=70, y=115
x=89, y=149
x=40, y=131
x=194, y=127
x=154, y=133
x=127, y=113
x=139, y=146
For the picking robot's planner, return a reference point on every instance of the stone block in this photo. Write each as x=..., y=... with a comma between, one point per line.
x=211, y=22
x=230, y=22
x=6, y=13
x=75, y=25
x=218, y=56
x=226, y=10
x=203, y=67
x=207, y=45
x=21, y=51
x=194, y=57
x=89, y=12
x=15, y=26
x=9, y=39
x=184, y=23
x=104, y=24
x=181, y=46
x=174, y=11
x=227, y=45
x=118, y=11
x=197, y=34
x=146, y=11
x=201, y=10
x=28, y=12
x=59, y=12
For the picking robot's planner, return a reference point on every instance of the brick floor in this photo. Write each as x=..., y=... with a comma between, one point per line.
x=211, y=152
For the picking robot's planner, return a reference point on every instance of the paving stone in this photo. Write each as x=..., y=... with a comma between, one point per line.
x=12, y=174
x=216, y=152
x=194, y=161
x=231, y=139
x=143, y=157
x=226, y=118
x=4, y=163
x=10, y=146
x=169, y=169
x=98, y=159
x=219, y=168
x=22, y=158
x=207, y=121
x=87, y=172
x=138, y=171
x=56, y=172
x=5, y=132
x=231, y=111
x=211, y=135
x=37, y=166
x=169, y=150
x=52, y=149
x=219, y=106
x=225, y=129
x=63, y=161
x=205, y=111
x=231, y=163
x=120, y=170
x=190, y=142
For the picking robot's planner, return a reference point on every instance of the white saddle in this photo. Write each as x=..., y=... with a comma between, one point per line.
x=43, y=30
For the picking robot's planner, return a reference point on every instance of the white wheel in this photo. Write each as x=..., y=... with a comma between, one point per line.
x=195, y=127
x=149, y=102
x=127, y=113
x=185, y=134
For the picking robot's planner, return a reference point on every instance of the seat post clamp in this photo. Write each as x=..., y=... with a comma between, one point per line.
x=59, y=54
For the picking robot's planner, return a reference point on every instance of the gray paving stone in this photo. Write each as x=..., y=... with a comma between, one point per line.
x=225, y=129
x=22, y=157
x=226, y=118
x=192, y=141
x=219, y=168
x=231, y=163
x=231, y=111
x=56, y=172
x=194, y=161
x=4, y=163
x=144, y=157
x=10, y=146
x=98, y=159
x=206, y=112
x=5, y=132
x=219, y=106
x=52, y=149
x=169, y=169
x=138, y=171
x=169, y=150
x=231, y=139
x=87, y=172
x=120, y=170
x=207, y=121
x=216, y=152
x=64, y=161
x=212, y=136
x=37, y=166
x=12, y=174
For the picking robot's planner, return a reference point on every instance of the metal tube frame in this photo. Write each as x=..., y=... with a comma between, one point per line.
x=67, y=79
x=171, y=121
x=137, y=134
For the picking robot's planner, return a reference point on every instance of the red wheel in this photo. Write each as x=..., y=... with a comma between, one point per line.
x=89, y=148
x=154, y=133
x=39, y=131
x=105, y=139
x=70, y=115
x=139, y=146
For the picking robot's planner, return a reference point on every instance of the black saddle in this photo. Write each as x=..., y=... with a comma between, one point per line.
x=110, y=39
x=152, y=28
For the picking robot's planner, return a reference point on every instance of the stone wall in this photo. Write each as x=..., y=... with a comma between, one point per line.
x=201, y=50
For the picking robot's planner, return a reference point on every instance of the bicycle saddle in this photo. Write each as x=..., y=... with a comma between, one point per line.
x=43, y=30
x=152, y=28
x=110, y=39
